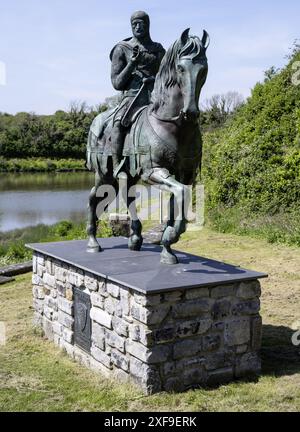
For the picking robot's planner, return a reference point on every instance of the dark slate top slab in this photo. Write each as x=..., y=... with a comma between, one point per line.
x=142, y=271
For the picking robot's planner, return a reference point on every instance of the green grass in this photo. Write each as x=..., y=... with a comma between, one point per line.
x=12, y=243
x=41, y=165
x=282, y=227
x=37, y=376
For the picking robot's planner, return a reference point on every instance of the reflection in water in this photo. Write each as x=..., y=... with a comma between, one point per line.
x=30, y=199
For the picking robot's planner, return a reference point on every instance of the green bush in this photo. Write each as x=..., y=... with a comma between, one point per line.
x=251, y=167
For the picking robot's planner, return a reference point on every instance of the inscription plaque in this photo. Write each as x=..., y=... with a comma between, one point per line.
x=82, y=326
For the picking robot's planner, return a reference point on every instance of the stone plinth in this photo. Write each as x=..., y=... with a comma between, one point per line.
x=164, y=327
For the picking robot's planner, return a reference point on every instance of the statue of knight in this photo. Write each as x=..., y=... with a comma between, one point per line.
x=135, y=63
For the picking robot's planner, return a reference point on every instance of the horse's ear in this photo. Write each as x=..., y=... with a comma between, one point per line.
x=205, y=39
x=184, y=37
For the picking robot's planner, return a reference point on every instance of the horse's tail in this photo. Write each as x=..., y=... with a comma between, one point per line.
x=93, y=155
x=90, y=151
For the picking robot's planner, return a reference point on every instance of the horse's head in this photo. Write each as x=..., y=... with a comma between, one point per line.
x=191, y=70
x=185, y=66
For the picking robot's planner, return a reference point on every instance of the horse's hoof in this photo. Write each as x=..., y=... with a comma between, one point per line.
x=168, y=258
x=94, y=249
x=135, y=243
x=93, y=246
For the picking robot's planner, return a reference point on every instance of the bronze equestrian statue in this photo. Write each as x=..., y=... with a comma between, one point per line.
x=159, y=134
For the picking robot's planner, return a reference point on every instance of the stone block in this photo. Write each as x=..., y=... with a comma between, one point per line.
x=145, y=375
x=120, y=326
x=220, y=376
x=125, y=301
x=249, y=290
x=221, y=309
x=114, y=340
x=223, y=291
x=97, y=300
x=65, y=305
x=111, y=305
x=157, y=354
x=187, y=348
x=237, y=332
x=197, y=293
x=101, y=357
x=248, y=307
x=68, y=335
x=119, y=360
x=149, y=316
x=38, y=292
x=211, y=343
x=51, y=303
x=49, y=280
x=256, y=333
x=48, y=328
x=193, y=377
x=37, y=280
x=101, y=317
x=38, y=306
x=149, y=300
x=192, y=308
x=90, y=282
x=48, y=312
x=247, y=364
x=49, y=267
x=61, y=288
x=66, y=320
x=98, y=335
x=113, y=290
x=173, y=297
x=58, y=328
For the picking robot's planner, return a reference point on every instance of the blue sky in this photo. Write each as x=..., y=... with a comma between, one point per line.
x=56, y=51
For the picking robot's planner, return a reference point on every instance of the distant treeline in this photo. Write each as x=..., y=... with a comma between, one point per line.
x=63, y=135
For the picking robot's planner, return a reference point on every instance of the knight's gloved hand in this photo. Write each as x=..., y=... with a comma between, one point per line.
x=136, y=54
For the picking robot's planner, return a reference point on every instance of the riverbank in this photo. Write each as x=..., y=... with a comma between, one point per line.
x=41, y=165
x=37, y=376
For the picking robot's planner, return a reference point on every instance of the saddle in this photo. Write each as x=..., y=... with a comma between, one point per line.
x=99, y=142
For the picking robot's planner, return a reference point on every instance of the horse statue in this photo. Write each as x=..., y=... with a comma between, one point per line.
x=163, y=146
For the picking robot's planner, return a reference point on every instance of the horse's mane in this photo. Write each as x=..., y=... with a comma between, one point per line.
x=166, y=76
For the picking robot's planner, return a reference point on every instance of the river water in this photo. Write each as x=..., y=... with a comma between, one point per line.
x=31, y=199
x=46, y=198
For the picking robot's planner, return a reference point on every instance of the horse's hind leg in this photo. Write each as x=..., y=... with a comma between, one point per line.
x=93, y=245
x=135, y=241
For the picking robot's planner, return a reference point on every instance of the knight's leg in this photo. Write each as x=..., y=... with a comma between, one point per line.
x=135, y=241
x=93, y=245
x=117, y=140
x=171, y=233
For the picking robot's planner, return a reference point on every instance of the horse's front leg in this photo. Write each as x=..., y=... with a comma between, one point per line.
x=177, y=221
x=93, y=245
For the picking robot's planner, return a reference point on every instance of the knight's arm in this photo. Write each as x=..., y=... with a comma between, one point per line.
x=121, y=71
